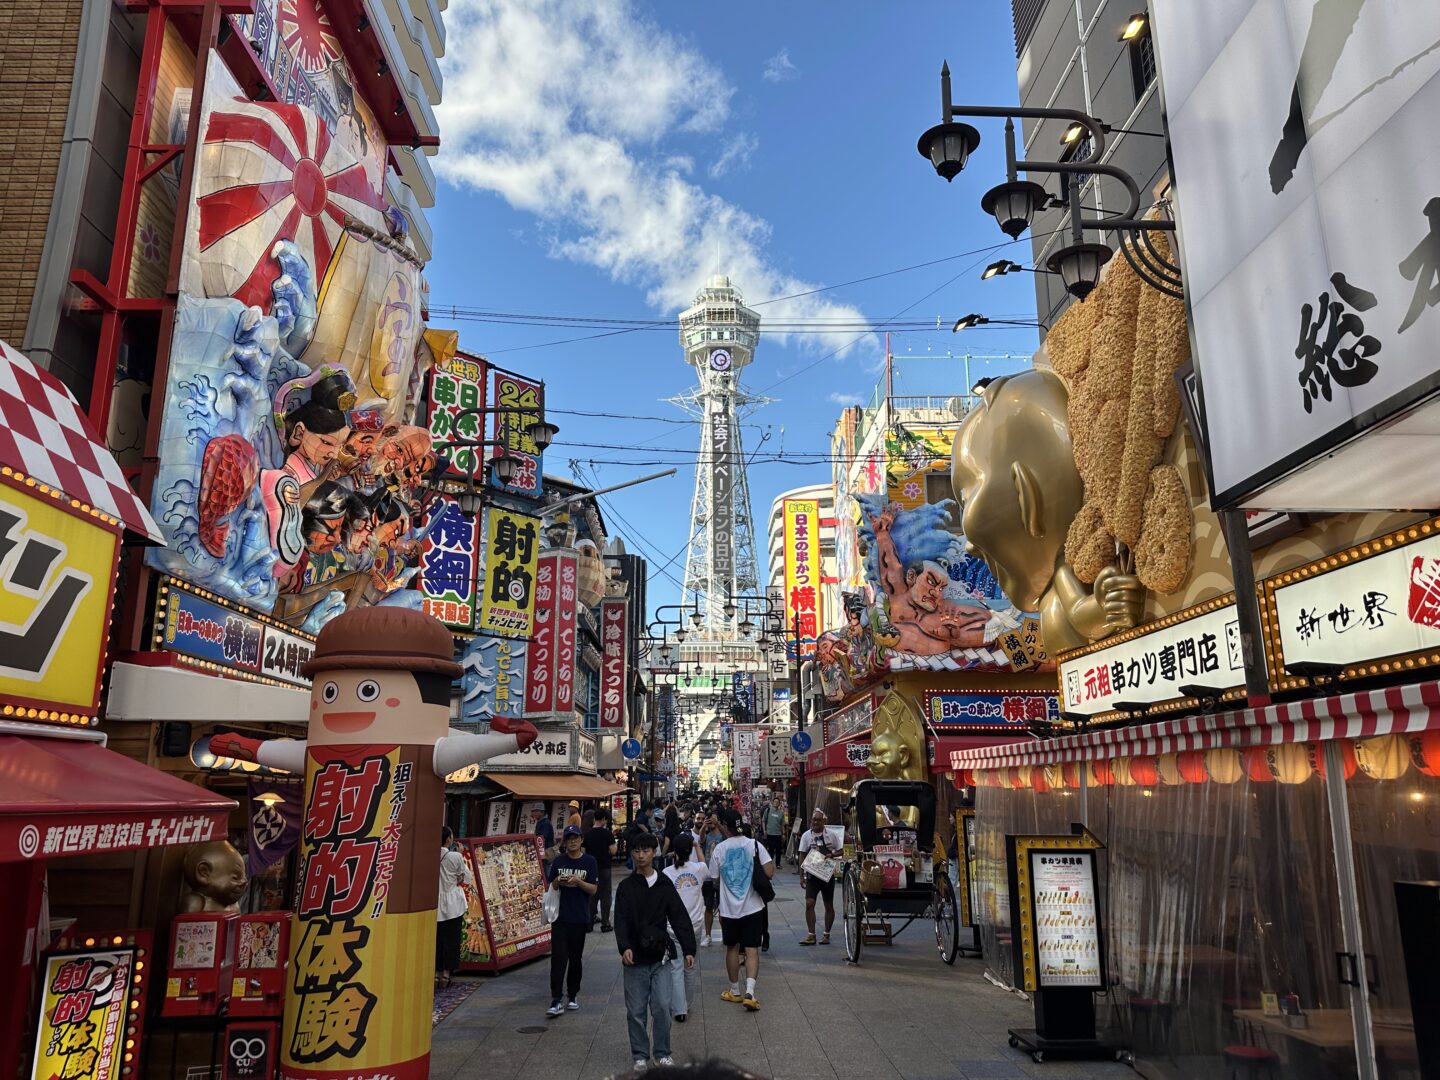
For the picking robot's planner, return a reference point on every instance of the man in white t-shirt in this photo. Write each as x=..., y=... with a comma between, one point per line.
x=829, y=843
x=742, y=911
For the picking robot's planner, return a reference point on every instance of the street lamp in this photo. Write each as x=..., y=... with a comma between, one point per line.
x=1079, y=267
x=1134, y=26
x=729, y=609
x=504, y=466
x=965, y=322
x=1015, y=202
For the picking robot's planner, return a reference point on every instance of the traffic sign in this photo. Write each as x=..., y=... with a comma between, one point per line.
x=631, y=749
x=801, y=742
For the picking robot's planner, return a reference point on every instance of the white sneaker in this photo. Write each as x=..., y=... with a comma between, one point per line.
x=705, y=941
x=555, y=1009
x=640, y=1065
x=573, y=1005
x=666, y=1060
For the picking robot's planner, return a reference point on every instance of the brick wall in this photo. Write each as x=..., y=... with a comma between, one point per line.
x=37, y=58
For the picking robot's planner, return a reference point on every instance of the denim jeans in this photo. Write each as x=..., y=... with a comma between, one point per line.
x=647, y=989
x=685, y=985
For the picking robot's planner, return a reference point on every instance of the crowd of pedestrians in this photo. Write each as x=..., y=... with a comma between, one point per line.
x=659, y=884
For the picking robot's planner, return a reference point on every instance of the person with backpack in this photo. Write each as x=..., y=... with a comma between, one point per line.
x=743, y=868
x=689, y=873
x=645, y=903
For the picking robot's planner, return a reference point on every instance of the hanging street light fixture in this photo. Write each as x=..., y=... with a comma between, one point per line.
x=1015, y=202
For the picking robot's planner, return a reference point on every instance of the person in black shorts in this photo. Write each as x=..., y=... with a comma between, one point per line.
x=819, y=839
x=600, y=844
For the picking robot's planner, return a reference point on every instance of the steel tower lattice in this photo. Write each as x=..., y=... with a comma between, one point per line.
x=719, y=334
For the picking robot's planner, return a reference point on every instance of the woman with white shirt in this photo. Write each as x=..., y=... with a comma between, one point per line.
x=689, y=873
x=450, y=908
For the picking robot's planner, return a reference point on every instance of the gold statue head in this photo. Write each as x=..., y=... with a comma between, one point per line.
x=1013, y=471
x=897, y=741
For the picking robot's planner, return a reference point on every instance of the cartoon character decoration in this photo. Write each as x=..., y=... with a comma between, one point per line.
x=377, y=751
x=897, y=752
x=215, y=878
x=931, y=599
x=289, y=480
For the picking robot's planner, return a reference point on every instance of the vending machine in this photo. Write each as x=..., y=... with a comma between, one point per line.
x=199, y=968
x=262, y=949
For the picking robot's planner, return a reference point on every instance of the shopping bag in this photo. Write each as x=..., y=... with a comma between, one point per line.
x=550, y=903
x=818, y=865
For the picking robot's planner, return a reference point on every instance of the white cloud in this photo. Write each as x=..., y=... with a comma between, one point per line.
x=565, y=111
x=780, y=68
x=736, y=155
x=846, y=400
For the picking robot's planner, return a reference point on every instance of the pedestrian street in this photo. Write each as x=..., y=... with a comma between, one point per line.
x=901, y=1013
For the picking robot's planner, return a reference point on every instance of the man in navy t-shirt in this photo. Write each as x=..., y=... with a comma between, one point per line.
x=577, y=877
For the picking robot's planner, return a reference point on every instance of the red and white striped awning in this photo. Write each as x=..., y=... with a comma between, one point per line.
x=1344, y=716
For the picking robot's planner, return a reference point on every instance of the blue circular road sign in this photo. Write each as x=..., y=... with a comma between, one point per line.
x=800, y=742
x=631, y=749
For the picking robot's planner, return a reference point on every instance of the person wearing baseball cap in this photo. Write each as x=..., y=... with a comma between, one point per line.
x=574, y=818
x=577, y=876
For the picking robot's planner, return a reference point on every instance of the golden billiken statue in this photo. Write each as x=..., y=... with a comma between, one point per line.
x=362, y=942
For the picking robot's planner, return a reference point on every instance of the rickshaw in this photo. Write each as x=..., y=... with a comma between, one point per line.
x=889, y=871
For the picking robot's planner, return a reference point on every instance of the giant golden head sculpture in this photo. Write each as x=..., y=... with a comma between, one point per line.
x=897, y=750
x=1013, y=471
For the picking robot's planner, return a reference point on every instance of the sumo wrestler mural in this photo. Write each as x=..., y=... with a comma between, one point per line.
x=933, y=603
x=290, y=480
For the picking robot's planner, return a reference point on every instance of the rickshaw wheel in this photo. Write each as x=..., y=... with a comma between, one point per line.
x=947, y=921
x=852, y=912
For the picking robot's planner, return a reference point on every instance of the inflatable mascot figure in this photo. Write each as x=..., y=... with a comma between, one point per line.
x=362, y=940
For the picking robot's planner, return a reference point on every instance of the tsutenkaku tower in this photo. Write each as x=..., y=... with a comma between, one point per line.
x=719, y=335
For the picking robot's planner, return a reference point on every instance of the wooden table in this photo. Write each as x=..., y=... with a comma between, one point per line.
x=1332, y=1029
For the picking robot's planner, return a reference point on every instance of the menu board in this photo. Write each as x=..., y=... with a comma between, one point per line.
x=1067, y=928
x=505, y=922
x=965, y=867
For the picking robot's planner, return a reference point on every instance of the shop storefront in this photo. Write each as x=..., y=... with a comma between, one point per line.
x=1251, y=869
x=64, y=509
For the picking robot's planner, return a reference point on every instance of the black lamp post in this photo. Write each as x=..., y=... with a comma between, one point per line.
x=1015, y=203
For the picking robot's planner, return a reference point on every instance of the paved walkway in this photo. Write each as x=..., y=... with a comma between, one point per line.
x=901, y=1013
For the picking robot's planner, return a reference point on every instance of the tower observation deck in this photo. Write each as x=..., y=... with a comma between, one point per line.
x=719, y=334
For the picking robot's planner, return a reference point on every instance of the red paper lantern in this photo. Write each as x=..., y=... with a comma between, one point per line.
x=1424, y=749
x=1257, y=765
x=1145, y=771
x=1038, y=782
x=1071, y=771
x=1316, y=752
x=1191, y=764
x=1019, y=778
x=1101, y=772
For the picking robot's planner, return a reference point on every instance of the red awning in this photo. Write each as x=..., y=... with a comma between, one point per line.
x=59, y=797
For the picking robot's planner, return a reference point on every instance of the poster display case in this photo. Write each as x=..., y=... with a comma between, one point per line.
x=505, y=922
x=966, y=886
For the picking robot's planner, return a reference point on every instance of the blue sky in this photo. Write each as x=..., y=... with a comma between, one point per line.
x=603, y=158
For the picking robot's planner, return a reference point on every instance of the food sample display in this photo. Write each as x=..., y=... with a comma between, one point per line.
x=505, y=923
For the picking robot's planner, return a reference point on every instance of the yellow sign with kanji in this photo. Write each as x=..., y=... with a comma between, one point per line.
x=506, y=604
x=57, y=576
x=803, y=586
x=84, y=1005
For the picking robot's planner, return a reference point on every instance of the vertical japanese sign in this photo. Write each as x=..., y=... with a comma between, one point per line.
x=511, y=548
x=358, y=836
x=802, y=574
x=86, y=999
x=518, y=403
x=550, y=681
x=665, y=712
x=456, y=384
x=613, y=662
x=449, y=564
x=540, y=686
x=493, y=683
x=565, y=635
x=722, y=503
